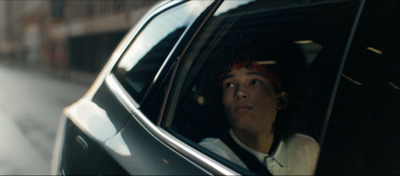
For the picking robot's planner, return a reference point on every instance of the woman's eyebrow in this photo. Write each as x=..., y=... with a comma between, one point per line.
x=248, y=73
x=256, y=73
x=226, y=77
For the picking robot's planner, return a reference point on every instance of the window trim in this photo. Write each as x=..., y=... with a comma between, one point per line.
x=165, y=105
x=170, y=57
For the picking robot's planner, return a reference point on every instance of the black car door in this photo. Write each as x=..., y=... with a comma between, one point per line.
x=140, y=79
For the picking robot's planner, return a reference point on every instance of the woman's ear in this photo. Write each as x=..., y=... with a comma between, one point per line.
x=282, y=100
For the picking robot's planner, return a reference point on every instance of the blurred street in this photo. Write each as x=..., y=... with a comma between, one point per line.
x=50, y=53
x=30, y=107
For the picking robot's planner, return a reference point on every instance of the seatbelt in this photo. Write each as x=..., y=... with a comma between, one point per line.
x=249, y=159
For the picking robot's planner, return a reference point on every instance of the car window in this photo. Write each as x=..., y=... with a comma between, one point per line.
x=309, y=38
x=363, y=126
x=143, y=58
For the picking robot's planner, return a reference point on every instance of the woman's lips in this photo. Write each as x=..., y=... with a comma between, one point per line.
x=242, y=108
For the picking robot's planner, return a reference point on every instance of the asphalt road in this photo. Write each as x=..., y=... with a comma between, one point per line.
x=30, y=107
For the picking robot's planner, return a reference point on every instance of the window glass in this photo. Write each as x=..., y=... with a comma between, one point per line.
x=302, y=42
x=145, y=55
x=363, y=126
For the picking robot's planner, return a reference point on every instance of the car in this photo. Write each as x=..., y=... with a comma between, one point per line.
x=148, y=109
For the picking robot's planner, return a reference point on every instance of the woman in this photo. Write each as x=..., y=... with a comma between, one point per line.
x=252, y=96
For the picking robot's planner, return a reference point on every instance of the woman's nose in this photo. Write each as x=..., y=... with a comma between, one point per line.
x=240, y=93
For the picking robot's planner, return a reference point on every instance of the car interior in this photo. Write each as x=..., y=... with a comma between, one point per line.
x=299, y=36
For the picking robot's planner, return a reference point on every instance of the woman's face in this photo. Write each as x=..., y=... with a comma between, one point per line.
x=249, y=99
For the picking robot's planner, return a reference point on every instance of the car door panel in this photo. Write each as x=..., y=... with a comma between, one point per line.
x=88, y=125
x=142, y=153
x=96, y=120
x=82, y=155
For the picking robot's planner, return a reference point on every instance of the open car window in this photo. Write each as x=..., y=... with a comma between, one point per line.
x=309, y=37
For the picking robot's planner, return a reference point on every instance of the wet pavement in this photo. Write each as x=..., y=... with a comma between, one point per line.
x=30, y=107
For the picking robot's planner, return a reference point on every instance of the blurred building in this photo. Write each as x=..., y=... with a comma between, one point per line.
x=10, y=33
x=65, y=35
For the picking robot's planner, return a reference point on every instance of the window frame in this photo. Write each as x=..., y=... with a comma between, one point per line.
x=178, y=82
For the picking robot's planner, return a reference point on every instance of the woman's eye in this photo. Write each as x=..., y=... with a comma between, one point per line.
x=229, y=84
x=255, y=82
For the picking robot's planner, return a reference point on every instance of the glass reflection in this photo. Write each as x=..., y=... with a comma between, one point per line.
x=231, y=5
x=155, y=32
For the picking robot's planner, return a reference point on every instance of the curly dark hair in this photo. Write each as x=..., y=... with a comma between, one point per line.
x=290, y=69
